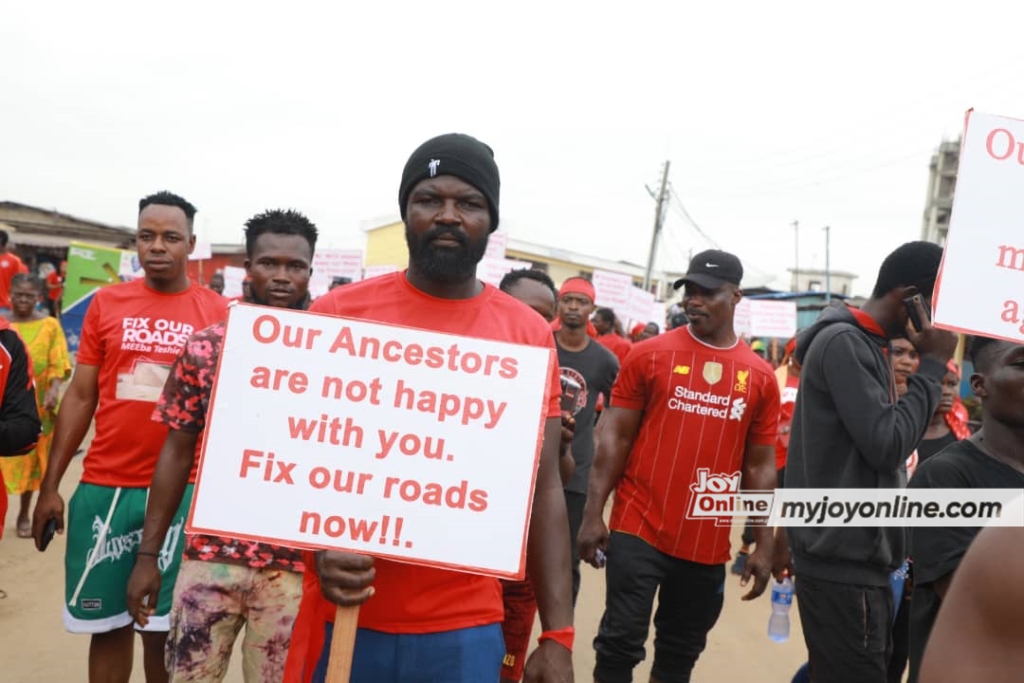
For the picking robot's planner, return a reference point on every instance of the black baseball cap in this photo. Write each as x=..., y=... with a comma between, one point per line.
x=711, y=269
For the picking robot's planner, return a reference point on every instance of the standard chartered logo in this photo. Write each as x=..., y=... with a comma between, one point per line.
x=739, y=406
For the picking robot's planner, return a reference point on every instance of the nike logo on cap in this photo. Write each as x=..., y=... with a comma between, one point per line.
x=710, y=265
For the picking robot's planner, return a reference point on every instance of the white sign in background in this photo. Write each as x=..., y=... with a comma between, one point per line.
x=329, y=263
x=233, y=279
x=613, y=290
x=760, y=318
x=447, y=482
x=497, y=243
x=492, y=270
x=982, y=273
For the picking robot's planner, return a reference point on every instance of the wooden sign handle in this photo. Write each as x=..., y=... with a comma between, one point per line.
x=343, y=644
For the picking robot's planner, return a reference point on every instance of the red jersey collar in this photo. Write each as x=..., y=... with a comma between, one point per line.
x=867, y=322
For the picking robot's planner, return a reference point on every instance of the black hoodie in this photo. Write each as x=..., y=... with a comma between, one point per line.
x=849, y=432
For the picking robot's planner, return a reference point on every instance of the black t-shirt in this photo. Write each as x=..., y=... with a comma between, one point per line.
x=595, y=369
x=937, y=551
x=930, y=447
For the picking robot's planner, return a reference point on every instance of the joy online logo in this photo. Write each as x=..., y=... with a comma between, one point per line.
x=718, y=497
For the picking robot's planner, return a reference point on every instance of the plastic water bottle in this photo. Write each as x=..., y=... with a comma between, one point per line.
x=782, y=600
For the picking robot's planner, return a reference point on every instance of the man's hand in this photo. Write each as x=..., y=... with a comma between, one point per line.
x=345, y=578
x=549, y=663
x=143, y=589
x=593, y=535
x=759, y=565
x=931, y=341
x=50, y=506
x=568, y=428
x=782, y=563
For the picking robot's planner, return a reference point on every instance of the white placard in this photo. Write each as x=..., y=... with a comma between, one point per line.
x=334, y=433
x=638, y=307
x=377, y=271
x=233, y=278
x=202, y=252
x=772, y=318
x=613, y=290
x=497, y=243
x=331, y=263
x=762, y=318
x=492, y=270
x=741, y=318
x=982, y=272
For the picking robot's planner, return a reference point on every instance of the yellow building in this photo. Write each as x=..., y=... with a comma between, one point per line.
x=385, y=246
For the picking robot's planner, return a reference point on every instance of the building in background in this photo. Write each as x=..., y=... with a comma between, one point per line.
x=941, y=185
x=42, y=235
x=813, y=280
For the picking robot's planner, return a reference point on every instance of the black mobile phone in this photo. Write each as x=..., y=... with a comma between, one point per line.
x=570, y=392
x=48, y=531
x=912, y=312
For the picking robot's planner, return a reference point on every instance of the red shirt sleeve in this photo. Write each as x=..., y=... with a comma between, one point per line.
x=630, y=390
x=764, y=429
x=554, y=392
x=91, y=345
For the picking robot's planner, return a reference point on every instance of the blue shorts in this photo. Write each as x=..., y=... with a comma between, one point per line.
x=469, y=655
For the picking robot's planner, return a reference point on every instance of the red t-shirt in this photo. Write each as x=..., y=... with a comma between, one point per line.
x=10, y=265
x=52, y=280
x=133, y=334
x=412, y=599
x=702, y=405
x=787, y=404
x=620, y=346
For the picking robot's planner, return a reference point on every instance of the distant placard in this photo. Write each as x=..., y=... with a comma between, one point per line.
x=759, y=318
x=496, y=245
x=492, y=270
x=613, y=290
x=203, y=251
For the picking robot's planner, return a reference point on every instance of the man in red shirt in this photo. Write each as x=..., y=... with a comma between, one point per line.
x=604, y=323
x=131, y=336
x=421, y=624
x=690, y=404
x=10, y=265
x=55, y=288
x=224, y=582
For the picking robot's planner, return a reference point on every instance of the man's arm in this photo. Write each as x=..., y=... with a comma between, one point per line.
x=885, y=431
x=759, y=475
x=548, y=549
x=19, y=416
x=165, y=493
x=620, y=428
x=978, y=631
x=73, y=421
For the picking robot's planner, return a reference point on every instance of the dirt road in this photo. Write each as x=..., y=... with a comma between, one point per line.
x=35, y=648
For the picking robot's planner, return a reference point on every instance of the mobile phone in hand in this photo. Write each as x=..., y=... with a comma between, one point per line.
x=48, y=531
x=911, y=305
x=570, y=391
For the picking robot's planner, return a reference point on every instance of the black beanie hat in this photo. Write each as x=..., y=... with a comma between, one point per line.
x=457, y=155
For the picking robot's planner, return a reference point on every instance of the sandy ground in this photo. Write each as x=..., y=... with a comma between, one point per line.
x=35, y=648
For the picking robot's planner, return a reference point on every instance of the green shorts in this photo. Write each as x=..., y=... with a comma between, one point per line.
x=103, y=534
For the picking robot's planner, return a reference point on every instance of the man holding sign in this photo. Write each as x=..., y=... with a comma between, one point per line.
x=422, y=623
x=223, y=582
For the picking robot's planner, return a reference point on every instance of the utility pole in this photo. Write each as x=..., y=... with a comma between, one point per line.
x=828, y=268
x=796, y=256
x=659, y=215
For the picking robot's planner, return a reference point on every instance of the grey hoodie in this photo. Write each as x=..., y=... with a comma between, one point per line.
x=849, y=432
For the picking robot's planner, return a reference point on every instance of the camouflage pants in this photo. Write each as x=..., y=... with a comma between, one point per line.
x=212, y=601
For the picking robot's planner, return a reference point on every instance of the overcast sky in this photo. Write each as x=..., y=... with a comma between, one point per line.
x=769, y=113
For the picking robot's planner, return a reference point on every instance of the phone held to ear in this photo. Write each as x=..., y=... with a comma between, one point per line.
x=915, y=316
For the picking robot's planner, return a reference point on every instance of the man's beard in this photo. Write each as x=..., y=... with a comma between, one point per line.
x=445, y=265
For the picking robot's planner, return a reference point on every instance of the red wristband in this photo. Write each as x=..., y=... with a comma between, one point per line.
x=563, y=636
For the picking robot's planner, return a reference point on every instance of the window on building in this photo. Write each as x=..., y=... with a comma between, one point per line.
x=846, y=289
x=539, y=265
x=586, y=275
x=814, y=285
